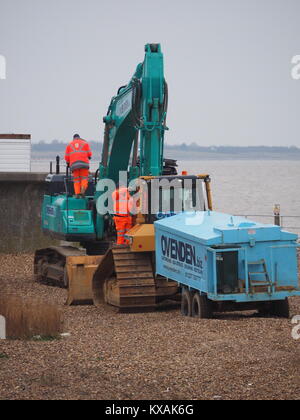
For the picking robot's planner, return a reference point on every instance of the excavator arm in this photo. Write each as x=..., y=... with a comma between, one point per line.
x=135, y=125
x=136, y=121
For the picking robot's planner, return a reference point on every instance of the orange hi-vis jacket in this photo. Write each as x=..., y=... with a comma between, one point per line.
x=78, y=154
x=122, y=202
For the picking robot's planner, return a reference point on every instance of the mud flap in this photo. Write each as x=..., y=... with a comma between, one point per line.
x=81, y=270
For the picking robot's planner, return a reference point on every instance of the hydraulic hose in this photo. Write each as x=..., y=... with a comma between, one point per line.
x=166, y=101
x=136, y=103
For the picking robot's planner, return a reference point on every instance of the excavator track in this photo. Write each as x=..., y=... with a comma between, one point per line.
x=121, y=278
x=50, y=265
x=135, y=280
x=125, y=280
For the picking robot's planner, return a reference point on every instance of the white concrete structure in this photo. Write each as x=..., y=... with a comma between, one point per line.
x=15, y=152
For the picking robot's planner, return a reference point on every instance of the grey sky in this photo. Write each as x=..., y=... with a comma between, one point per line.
x=227, y=62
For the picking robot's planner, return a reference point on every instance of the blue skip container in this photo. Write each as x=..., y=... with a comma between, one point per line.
x=225, y=262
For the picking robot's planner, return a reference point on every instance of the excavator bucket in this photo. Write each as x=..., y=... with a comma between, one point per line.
x=81, y=270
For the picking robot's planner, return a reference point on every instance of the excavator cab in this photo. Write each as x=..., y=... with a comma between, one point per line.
x=170, y=195
x=167, y=196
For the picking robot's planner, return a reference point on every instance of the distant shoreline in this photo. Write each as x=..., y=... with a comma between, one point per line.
x=184, y=152
x=189, y=156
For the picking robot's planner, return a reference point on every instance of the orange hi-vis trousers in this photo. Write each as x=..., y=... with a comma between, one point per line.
x=81, y=180
x=123, y=225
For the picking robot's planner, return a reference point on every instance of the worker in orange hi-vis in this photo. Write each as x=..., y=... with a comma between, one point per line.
x=78, y=156
x=122, y=216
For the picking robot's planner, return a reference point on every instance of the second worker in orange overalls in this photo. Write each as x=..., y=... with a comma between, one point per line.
x=122, y=216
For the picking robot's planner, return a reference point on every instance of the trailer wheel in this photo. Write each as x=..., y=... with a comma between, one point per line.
x=186, y=303
x=280, y=308
x=201, y=307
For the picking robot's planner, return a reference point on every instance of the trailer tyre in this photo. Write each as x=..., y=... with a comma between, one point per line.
x=201, y=307
x=186, y=303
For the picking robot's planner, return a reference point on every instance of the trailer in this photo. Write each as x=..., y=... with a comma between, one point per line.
x=227, y=263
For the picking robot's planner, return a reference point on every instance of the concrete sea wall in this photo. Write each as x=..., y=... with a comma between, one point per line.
x=21, y=196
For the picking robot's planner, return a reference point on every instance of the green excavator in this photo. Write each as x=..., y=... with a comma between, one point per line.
x=90, y=266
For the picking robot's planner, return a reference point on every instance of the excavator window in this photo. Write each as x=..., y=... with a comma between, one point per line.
x=174, y=195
